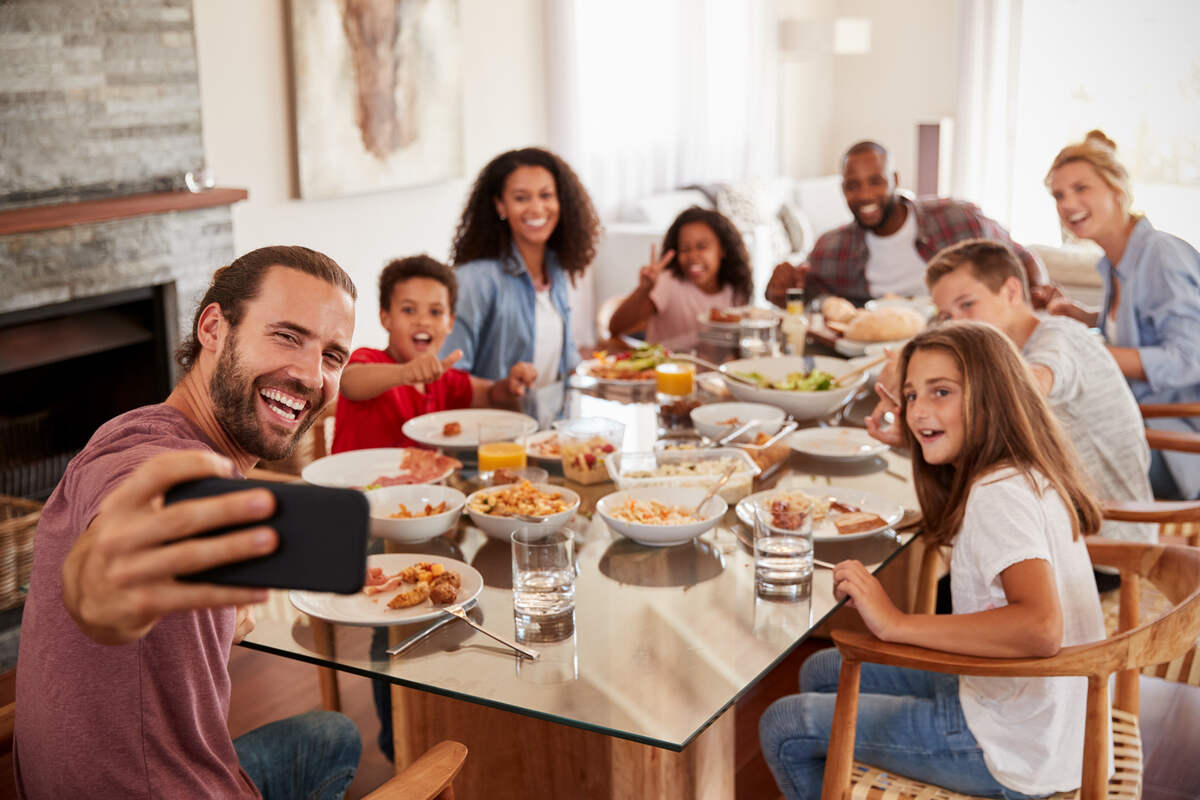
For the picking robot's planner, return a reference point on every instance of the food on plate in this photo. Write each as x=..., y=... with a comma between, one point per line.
x=672, y=469
x=717, y=315
x=815, y=381
x=788, y=507
x=633, y=365
x=583, y=461
x=524, y=498
x=837, y=309
x=427, y=580
x=652, y=512
x=732, y=421
x=410, y=597
x=546, y=448
x=504, y=475
x=417, y=466
x=676, y=414
x=452, y=429
x=857, y=522
x=429, y=511
x=885, y=324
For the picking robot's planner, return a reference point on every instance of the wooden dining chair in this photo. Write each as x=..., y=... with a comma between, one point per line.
x=1174, y=440
x=1174, y=569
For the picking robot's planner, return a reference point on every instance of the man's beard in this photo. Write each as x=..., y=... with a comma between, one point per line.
x=889, y=208
x=235, y=404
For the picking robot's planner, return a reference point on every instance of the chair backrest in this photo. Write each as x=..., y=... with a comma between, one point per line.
x=604, y=316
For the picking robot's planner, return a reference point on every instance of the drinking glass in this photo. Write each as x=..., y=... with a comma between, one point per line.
x=499, y=448
x=758, y=337
x=795, y=329
x=783, y=550
x=543, y=568
x=558, y=650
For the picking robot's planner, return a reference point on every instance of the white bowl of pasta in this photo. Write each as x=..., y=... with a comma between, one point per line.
x=494, y=510
x=662, y=515
x=415, y=512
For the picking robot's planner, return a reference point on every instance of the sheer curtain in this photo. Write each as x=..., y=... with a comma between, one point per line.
x=985, y=131
x=650, y=95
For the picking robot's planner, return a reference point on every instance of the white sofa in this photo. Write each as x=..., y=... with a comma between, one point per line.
x=816, y=205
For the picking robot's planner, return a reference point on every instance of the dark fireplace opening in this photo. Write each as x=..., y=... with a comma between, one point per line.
x=68, y=368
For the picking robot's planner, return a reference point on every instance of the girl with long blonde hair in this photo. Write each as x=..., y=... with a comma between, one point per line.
x=996, y=476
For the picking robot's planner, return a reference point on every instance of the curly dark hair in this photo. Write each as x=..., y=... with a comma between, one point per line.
x=422, y=266
x=238, y=283
x=482, y=234
x=735, y=266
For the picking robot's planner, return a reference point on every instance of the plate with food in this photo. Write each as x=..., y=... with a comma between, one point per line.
x=543, y=446
x=661, y=516
x=495, y=510
x=787, y=382
x=838, y=513
x=400, y=588
x=732, y=318
x=380, y=466
x=837, y=444
x=459, y=429
x=630, y=366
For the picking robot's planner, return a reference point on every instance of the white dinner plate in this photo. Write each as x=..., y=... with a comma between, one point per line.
x=858, y=347
x=427, y=428
x=355, y=469
x=922, y=305
x=824, y=531
x=534, y=442
x=752, y=311
x=360, y=609
x=839, y=444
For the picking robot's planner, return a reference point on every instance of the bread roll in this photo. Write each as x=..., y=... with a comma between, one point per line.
x=837, y=309
x=885, y=325
x=857, y=522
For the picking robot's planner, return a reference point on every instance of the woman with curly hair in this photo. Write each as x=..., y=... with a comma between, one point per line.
x=528, y=228
x=704, y=266
x=1150, y=314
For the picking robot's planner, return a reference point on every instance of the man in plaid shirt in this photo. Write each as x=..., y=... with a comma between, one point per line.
x=893, y=235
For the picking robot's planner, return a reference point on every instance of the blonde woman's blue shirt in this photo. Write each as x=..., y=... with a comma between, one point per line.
x=1159, y=315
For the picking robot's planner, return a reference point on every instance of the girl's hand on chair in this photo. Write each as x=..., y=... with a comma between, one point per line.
x=864, y=592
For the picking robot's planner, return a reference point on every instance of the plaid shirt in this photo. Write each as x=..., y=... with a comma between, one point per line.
x=838, y=261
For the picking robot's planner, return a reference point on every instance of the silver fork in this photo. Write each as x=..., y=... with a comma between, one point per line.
x=525, y=651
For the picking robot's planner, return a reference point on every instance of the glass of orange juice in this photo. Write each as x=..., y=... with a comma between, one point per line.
x=499, y=447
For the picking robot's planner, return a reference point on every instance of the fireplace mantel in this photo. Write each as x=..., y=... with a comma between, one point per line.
x=62, y=215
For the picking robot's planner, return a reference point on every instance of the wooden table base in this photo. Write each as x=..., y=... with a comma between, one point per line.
x=516, y=756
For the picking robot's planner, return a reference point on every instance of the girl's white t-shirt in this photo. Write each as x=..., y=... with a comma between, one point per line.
x=1030, y=729
x=547, y=338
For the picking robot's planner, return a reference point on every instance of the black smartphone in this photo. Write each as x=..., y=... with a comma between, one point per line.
x=322, y=537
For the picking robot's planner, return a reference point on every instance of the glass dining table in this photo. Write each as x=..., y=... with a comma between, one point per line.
x=634, y=696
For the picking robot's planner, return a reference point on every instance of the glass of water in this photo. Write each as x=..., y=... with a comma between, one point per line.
x=758, y=336
x=783, y=547
x=543, y=569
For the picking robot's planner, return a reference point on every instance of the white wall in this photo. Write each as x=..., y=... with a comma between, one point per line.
x=833, y=100
x=249, y=142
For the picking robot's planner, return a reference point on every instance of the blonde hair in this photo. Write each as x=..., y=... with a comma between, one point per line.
x=1006, y=423
x=1101, y=152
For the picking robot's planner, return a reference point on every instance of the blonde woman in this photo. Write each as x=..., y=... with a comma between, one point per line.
x=1151, y=309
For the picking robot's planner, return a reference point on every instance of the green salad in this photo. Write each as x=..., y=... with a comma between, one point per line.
x=815, y=381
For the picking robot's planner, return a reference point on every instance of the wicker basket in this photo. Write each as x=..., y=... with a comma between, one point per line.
x=18, y=521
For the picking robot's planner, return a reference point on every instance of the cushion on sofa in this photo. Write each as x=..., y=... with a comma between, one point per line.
x=660, y=210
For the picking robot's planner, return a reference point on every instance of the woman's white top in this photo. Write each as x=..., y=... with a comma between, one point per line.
x=1030, y=729
x=547, y=338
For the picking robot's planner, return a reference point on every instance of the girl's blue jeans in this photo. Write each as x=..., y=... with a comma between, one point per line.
x=910, y=722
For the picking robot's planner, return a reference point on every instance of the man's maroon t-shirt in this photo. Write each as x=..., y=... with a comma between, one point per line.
x=140, y=720
x=377, y=422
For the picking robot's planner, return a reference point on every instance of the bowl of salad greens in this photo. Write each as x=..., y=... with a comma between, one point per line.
x=784, y=382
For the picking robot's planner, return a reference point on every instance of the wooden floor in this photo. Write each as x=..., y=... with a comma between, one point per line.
x=268, y=687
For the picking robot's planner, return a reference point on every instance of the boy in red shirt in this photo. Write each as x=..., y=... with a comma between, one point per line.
x=383, y=389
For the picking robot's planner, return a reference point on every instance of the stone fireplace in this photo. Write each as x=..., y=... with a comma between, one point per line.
x=102, y=253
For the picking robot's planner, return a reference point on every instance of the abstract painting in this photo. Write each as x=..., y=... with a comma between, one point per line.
x=378, y=88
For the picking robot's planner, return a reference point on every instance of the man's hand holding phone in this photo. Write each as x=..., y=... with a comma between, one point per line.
x=121, y=575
